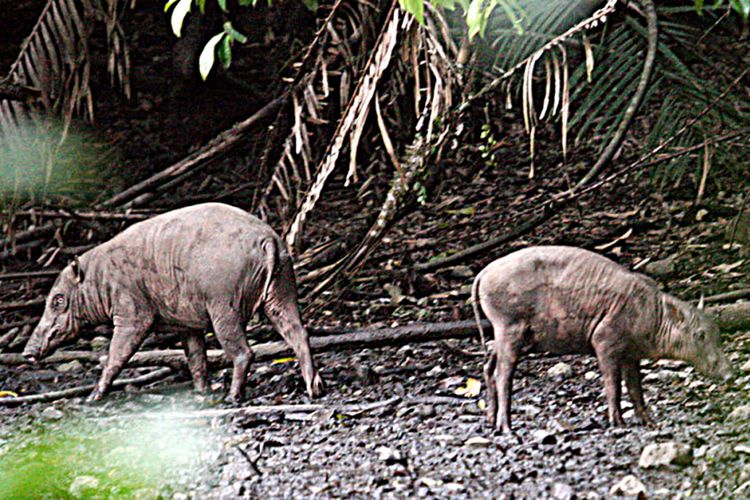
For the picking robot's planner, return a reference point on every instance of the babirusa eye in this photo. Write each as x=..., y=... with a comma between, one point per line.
x=58, y=301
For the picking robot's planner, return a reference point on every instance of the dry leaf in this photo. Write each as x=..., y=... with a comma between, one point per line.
x=471, y=389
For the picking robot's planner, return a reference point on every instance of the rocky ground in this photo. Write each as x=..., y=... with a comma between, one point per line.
x=432, y=443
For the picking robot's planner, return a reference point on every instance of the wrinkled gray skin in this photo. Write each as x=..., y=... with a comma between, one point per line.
x=209, y=265
x=568, y=300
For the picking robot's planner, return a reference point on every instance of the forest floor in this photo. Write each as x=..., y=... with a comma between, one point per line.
x=433, y=442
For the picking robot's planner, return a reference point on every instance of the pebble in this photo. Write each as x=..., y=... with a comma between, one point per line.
x=478, y=442
x=660, y=375
x=746, y=366
x=561, y=370
x=446, y=438
x=742, y=448
x=745, y=473
x=590, y=375
x=741, y=412
x=719, y=453
x=99, y=343
x=663, y=454
x=460, y=272
x=629, y=486
x=544, y=437
x=83, y=486
x=426, y=411
x=662, y=267
x=530, y=410
x=561, y=491
x=70, y=367
x=388, y=455
x=52, y=413
x=366, y=375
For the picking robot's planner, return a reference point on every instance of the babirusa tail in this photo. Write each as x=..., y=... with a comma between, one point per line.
x=477, y=312
x=270, y=253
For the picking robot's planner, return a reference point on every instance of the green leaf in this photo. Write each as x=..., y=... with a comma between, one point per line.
x=474, y=17
x=699, y=7
x=447, y=4
x=168, y=4
x=201, y=5
x=206, y=59
x=414, y=7
x=233, y=33
x=741, y=6
x=225, y=51
x=312, y=5
x=222, y=4
x=178, y=16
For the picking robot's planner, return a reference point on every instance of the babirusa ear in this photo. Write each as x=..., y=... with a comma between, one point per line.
x=701, y=303
x=77, y=269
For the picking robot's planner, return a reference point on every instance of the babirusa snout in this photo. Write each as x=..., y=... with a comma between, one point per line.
x=36, y=345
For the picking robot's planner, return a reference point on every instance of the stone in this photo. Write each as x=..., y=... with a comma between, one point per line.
x=426, y=411
x=99, y=343
x=561, y=491
x=660, y=375
x=743, y=448
x=664, y=454
x=366, y=375
x=661, y=267
x=741, y=412
x=446, y=439
x=70, y=367
x=52, y=413
x=560, y=370
x=83, y=486
x=629, y=486
x=544, y=437
x=388, y=455
x=590, y=375
x=719, y=453
x=744, y=473
x=477, y=442
x=746, y=366
x=460, y=272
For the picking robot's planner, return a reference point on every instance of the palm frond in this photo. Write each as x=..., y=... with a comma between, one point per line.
x=54, y=59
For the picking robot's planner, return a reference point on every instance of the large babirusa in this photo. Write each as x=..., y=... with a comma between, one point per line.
x=208, y=266
x=567, y=300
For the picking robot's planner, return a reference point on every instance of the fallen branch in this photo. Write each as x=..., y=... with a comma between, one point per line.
x=64, y=213
x=727, y=296
x=366, y=337
x=52, y=273
x=729, y=317
x=218, y=146
x=84, y=390
x=246, y=411
x=553, y=205
x=485, y=246
x=9, y=306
